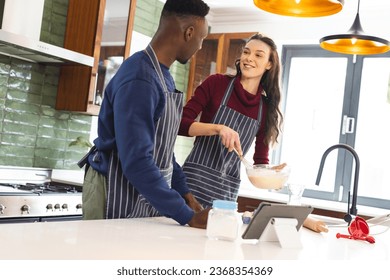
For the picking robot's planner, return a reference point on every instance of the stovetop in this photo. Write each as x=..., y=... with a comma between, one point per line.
x=29, y=192
x=40, y=189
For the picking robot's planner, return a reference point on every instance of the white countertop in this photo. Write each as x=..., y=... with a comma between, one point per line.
x=163, y=239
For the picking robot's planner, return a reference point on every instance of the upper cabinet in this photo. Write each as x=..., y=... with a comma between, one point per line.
x=218, y=55
x=93, y=29
x=33, y=31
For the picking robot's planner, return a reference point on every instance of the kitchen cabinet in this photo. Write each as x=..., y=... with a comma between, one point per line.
x=218, y=54
x=77, y=88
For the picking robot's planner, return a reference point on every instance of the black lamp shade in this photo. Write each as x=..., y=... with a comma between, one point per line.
x=355, y=41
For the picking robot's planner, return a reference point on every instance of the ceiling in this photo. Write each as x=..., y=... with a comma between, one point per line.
x=247, y=7
x=244, y=16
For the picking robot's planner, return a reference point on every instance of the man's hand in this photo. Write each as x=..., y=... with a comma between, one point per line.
x=199, y=220
x=192, y=202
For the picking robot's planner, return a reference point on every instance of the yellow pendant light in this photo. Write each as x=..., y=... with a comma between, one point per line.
x=301, y=8
x=355, y=41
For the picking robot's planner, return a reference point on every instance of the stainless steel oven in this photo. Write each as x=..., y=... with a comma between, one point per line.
x=29, y=195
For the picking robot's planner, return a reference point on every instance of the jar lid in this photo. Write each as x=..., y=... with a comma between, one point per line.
x=225, y=204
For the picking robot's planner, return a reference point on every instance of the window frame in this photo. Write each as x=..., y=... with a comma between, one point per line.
x=345, y=162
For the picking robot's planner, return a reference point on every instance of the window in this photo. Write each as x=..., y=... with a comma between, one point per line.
x=332, y=98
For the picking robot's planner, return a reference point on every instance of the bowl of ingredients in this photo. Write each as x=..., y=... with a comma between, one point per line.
x=266, y=176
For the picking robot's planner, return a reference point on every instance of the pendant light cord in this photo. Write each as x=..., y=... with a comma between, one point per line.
x=358, y=9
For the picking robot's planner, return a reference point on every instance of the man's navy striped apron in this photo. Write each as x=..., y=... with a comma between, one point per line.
x=123, y=200
x=212, y=172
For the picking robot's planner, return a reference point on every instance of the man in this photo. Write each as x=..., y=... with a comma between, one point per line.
x=131, y=171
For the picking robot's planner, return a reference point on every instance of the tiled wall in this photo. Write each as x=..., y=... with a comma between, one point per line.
x=32, y=132
x=54, y=22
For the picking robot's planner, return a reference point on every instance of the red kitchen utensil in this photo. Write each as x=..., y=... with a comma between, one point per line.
x=358, y=227
x=358, y=230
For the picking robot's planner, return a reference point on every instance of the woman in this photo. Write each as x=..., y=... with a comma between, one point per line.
x=234, y=110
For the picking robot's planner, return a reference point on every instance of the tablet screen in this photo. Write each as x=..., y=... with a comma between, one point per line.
x=266, y=211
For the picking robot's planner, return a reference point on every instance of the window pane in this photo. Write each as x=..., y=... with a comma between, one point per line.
x=373, y=129
x=312, y=118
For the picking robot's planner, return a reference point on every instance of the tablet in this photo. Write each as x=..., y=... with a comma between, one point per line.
x=266, y=211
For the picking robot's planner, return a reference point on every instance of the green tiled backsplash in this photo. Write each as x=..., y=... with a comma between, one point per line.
x=54, y=22
x=32, y=132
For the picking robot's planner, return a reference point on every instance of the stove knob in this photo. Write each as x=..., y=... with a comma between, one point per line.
x=79, y=206
x=2, y=207
x=49, y=207
x=25, y=208
x=65, y=206
x=57, y=206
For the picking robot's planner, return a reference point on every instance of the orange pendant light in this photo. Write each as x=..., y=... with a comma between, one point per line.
x=301, y=8
x=355, y=41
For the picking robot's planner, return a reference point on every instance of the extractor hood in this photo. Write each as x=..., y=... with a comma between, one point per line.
x=20, y=28
x=37, y=51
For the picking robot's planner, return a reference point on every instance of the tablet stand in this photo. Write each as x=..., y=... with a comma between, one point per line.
x=283, y=230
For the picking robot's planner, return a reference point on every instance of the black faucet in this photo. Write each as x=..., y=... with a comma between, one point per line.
x=353, y=209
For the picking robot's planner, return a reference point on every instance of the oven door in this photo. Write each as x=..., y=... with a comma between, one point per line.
x=61, y=218
x=40, y=219
x=19, y=220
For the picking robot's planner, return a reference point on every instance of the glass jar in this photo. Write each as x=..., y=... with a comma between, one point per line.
x=223, y=221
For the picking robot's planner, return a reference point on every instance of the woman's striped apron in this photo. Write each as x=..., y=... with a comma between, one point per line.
x=123, y=200
x=212, y=172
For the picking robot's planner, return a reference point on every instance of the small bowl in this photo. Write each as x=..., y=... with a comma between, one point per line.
x=266, y=176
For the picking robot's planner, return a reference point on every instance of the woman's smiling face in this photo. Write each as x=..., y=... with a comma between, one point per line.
x=254, y=60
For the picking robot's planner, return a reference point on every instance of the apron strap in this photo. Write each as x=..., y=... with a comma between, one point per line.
x=228, y=92
x=152, y=55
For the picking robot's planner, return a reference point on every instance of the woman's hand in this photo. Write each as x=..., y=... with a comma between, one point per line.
x=230, y=138
x=279, y=167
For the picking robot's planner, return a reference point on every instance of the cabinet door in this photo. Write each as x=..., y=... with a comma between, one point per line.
x=234, y=43
x=115, y=45
x=218, y=55
x=83, y=34
x=205, y=62
x=77, y=87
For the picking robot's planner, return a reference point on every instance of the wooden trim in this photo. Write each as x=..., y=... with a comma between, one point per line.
x=220, y=53
x=191, y=79
x=91, y=107
x=130, y=27
x=250, y=204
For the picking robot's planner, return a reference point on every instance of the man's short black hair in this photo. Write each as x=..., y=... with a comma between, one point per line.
x=185, y=8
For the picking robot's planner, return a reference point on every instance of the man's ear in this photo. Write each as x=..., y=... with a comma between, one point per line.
x=189, y=33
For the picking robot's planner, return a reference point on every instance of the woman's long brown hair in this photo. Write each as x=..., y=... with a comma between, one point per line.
x=270, y=83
